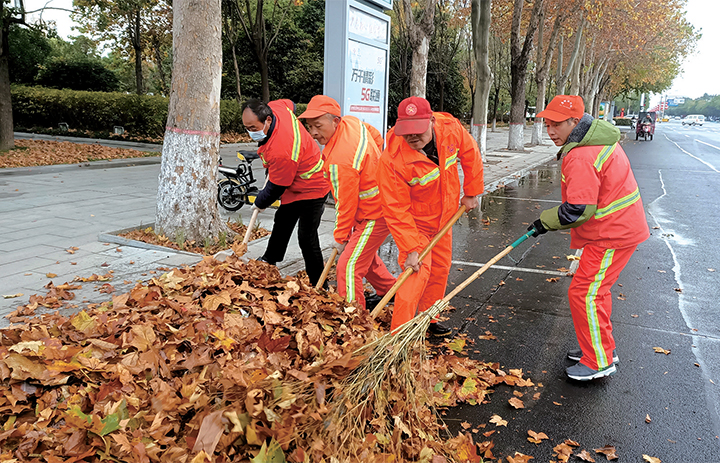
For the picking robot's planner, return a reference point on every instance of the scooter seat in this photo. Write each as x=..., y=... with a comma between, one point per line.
x=249, y=155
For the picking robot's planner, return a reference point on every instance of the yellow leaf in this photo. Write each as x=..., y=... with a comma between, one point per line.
x=457, y=344
x=83, y=322
x=51, y=275
x=10, y=296
x=650, y=459
x=32, y=346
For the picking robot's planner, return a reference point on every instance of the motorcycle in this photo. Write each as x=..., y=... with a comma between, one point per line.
x=237, y=189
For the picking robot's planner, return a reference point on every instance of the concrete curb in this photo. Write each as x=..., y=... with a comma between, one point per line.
x=112, y=237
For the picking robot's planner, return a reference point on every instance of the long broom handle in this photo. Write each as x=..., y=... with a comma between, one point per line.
x=251, y=225
x=487, y=265
x=327, y=268
x=408, y=271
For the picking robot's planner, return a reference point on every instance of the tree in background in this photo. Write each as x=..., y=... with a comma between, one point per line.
x=419, y=25
x=123, y=22
x=86, y=74
x=28, y=50
x=481, y=15
x=262, y=25
x=186, y=204
x=520, y=56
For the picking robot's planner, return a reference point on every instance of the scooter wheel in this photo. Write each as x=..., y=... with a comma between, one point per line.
x=230, y=196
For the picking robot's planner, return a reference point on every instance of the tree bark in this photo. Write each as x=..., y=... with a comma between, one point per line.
x=480, y=20
x=137, y=47
x=237, y=76
x=7, y=138
x=419, y=37
x=565, y=75
x=186, y=204
x=520, y=55
x=542, y=74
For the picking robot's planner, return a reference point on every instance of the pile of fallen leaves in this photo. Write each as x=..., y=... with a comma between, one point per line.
x=223, y=361
x=148, y=235
x=30, y=153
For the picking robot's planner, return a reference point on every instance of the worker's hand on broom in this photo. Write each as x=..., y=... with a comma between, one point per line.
x=470, y=202
x=413, y=261
x=339, y=246
x=538, y=228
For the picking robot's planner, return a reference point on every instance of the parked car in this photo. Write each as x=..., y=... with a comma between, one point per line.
x=694, y=119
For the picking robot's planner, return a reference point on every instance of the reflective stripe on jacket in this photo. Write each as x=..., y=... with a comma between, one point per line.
x=602, y=175
x=292, y=157
x=419, y=196
x=351, y=158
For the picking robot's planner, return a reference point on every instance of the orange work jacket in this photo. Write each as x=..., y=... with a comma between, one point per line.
x=292, y=157
x=376, y=136
x=419, y=196
x=602, y=175
x=351, y=159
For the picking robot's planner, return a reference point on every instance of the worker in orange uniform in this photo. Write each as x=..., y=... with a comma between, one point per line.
x=351, y=157
x=420, y=192
x=294, y=165
x=601, y=206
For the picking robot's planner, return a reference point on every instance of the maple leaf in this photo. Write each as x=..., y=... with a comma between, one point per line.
x=536, y=437
x=143, y=337
x=213, y=301
x=497, y=421
x=516, y=403
x=210, y=432
x=83, y=322
x=585, y=456
x=465, y=425
x=608, y=451
x=650, y=459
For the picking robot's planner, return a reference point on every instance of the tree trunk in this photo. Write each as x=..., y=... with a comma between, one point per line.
x=496, y=102
x=564, y=76
x=419, y=37
x=7, y=139
x=186, y=204
x=159, y=65
x=237, y=75
x=137, y=47
x=520, y=55
x=480, y=19
x=265, y=79
x=576, y=69
x=541, y=75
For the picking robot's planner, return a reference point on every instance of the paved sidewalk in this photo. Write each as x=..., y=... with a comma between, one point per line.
x=51, y=218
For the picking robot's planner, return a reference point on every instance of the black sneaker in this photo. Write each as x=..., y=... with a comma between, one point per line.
x=439, y=330
x=371, y=300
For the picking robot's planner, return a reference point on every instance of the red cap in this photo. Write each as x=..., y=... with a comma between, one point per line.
x=319, y=106
x=564, y=107
x=414, y=116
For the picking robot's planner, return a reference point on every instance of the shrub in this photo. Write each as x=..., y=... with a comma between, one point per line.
x=144, y=115
x=622, y=121
x=81, y=74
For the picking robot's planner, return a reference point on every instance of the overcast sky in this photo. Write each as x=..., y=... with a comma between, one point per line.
x=701, y=71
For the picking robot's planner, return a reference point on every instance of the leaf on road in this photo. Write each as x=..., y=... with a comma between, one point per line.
x=457, y=344
x=585, y=456
x=572, y=257
x=650, y=459
x=51, y=275
x=497, y=421
x=516, y=403
x=660, y=350
x=562, y=452
x=536, y=437
x=552, y=280
x=608, y=451
x=519, y=458
x=647, y=418
x=10, y=296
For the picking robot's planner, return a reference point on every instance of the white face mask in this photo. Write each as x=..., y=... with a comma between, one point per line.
x=259, y=135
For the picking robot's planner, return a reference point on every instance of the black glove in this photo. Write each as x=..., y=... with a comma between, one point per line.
x=538, y=227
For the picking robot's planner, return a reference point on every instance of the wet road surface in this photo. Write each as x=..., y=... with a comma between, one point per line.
x=667, y=297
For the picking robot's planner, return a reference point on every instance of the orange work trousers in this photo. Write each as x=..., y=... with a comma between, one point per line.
x=591, y=302
x=424, y=288
x=360, y=260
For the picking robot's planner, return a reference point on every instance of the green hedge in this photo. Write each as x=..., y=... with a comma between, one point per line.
x=622, y=121
x=100, y=111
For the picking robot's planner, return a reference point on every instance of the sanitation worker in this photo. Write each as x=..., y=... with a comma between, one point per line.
x=351, y=157
x=420, y=192
x=601, y=205
x=294, y=165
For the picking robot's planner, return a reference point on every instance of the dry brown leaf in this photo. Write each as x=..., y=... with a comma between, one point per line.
x=519, y=458
x=609, y=452
x=585, y=456
x=647, y=419
x=516, y=403
x=497, y=421
x=650, y=459
x=660, y=350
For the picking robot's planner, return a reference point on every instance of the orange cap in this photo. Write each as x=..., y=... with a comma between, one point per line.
x=564, y=107
x=319, y=106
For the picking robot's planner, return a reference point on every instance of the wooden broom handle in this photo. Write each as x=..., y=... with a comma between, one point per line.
x=408, y=271
x=327, y=268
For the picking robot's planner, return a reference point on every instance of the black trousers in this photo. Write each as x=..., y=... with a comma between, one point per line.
x=306, y=214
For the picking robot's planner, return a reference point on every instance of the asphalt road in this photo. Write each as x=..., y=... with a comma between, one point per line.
x=666, y=297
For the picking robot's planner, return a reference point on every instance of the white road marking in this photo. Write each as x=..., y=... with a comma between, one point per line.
x=519, y=269
x=704, y=143
x=693, y=156
x=526, y=199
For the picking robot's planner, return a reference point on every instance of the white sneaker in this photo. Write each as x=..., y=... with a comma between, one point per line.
x=580, y=372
